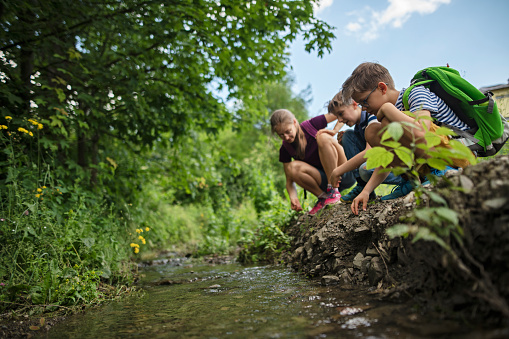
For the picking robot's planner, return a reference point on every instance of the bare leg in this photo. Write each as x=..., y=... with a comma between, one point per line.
x=306, y=176
x=331, y=153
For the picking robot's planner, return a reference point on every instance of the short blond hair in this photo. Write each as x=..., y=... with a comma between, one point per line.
x=364, y=78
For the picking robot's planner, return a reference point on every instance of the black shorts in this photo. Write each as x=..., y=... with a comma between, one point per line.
x=325, y=180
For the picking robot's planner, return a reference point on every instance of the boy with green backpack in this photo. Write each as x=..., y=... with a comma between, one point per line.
x=372, y=86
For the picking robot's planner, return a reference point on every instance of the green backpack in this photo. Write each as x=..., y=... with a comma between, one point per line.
x=488, y=128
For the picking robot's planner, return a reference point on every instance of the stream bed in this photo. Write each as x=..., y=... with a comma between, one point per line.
x=189, y=299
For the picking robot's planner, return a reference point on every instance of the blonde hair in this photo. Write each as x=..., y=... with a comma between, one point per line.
x=284, y=116
x=364, y=78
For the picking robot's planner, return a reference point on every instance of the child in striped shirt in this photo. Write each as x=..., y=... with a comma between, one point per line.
x=372, y=86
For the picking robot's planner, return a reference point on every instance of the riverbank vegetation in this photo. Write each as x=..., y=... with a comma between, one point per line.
x=136, y=126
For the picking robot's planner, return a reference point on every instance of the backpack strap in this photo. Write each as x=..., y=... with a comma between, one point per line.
x=489, y=97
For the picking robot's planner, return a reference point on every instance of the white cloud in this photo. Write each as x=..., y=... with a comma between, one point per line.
x=321, y=5
x=353, y=27
x=395, y=15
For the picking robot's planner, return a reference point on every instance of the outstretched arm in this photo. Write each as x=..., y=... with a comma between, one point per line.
x=331, y=117
x=291, y=189
x=376, y=179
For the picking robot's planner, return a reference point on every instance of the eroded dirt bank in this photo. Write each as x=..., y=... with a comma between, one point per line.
x=471, y=281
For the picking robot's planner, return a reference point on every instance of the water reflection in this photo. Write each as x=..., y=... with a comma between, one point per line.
x=202, y=301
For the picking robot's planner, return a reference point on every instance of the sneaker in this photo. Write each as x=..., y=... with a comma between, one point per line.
x=438, y=173
x=333, y=197
x=354, y=193
x=318, y=206
x=399, y=191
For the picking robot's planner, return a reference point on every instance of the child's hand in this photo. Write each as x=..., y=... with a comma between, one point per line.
x=335, y=178
x=295, y=205
x=340, y=137
x=326, y=131
x=363, y=198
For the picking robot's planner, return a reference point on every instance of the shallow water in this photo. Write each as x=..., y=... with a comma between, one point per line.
x=234, y=301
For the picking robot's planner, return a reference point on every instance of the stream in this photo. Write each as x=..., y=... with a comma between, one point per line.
x=189, y=299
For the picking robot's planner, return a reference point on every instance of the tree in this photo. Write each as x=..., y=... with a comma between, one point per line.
x=131, y=70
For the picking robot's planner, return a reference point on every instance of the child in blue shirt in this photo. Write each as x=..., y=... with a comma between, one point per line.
x=355, y=145
x=372, y=86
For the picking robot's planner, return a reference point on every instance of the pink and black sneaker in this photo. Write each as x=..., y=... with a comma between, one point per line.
x=333, y=197
x=318, y=206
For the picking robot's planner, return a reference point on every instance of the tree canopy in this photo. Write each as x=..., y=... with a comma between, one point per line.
x=133, y=69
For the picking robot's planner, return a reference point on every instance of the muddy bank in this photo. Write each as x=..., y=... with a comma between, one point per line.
x=470, y=281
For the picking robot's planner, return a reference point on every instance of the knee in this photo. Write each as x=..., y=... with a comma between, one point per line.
x=294, y=168
x=324, y=139
x=364, y=173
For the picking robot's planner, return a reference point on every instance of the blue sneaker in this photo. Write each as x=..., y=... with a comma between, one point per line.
x=354, y=193
x=438, y=173
x=399, y=191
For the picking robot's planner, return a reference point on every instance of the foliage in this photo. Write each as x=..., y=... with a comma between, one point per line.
x=54, y=258
x=268, y=239
x=133, y=70
x=428, y=223
x=109, y=120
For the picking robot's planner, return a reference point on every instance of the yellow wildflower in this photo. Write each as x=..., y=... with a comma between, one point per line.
x=143, y=241
x=43, y=186
x=37, y=195
x=31, y=134
x=3, y=127
x=39, y=126
x=134, y=245
x=8, y=118
x=21, y=129
x=147, y=229
x=139, y=230
x=136, y=250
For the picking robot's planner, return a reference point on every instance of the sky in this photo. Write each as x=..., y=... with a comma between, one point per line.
x=406, y=36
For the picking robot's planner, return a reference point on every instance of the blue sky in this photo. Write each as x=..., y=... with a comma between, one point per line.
x=405, y=36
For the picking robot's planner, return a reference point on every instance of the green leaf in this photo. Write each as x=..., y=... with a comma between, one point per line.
x=436, y=198
x=378, y=156
x=464, y=151
x=425, y=234
x=437, y=163
x=390, y=143
x=444, y=131
x=448, y=215
x=400, y=230
x=395, y=130
x=432, y=139
x=405, y=155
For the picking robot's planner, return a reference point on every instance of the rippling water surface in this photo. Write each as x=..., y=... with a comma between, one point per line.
x=234, y=301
